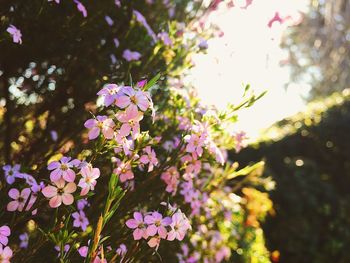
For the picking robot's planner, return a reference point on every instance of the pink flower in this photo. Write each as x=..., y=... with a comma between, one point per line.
x=19, y=199
x=83, y=251
x=130, y=119
x=5, y=254
x=121, y=250
x=16, y=34
x=80, y=220
x=62, y=169
x=133, y=99
x=5, y=232
x=156, y=224
x=139, y=225
x=88, y=181
x=195, y=144
x=131, y=55
x=171, y=178
x=100, y=123
x=192, y=164
x=61, y=193
x=12, y=172
x=154, y=242
x=179, y=226
x=81, y=8
x=124, y=171
x=149, y=158
x=109, y=92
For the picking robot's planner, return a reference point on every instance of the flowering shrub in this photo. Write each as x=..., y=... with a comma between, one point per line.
x=140, y=174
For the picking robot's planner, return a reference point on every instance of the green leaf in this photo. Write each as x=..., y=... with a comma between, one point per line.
x=152, y=82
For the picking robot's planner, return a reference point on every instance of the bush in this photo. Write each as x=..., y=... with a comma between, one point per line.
x=307, y=157
x=146, y=178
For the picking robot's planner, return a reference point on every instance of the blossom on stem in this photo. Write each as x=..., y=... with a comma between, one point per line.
x=130, y=119
x=124, y=171
x=81, y=8
x=16, y=34
x=179, y=226
x=61, y=193
x=63, y=169
x=5, y=232
x=132, y=99
x=171, y=178
x=149, y=158
x=109, y=92
x=101, y=123
x=88, y=180
x=156, y=224
x=19, y=199
x=5, y=254
x=80, y=220
x=131, y=55
x=12, y=172
x=137, y=223
x=24, y=240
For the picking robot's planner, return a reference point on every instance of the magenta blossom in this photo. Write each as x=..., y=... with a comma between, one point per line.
x=124, y=171
x=81, y=8
x=5, y=254
x=131, y=55
x=88, y=180
x=131, y=98
x=83, y=251
x=63, y=169
x=80, y=220
x=16, y=34
x=149, y=158
x=19, y=199
x=12, y=172
x=24, y=240
x=156, y=224
x=100, y=123
x=109, y=92
x=61, y=193
x=130, y=119
x=5, y=232
x=138, y=225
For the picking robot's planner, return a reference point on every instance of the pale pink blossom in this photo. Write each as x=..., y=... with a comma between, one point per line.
x=195, y=144
x=19, y=199
x=63, y=169
x=137, y=223
x=156, y=224
x=80, y=220
x=60, y=193
x=179, y=226
x=171, y=178
x=101, y=123
x=149, y=158
x=121, y=250
x=154, y=242
x=124, y=171
x=130, y=119
x=16, y=34
x=5, y=232
x=5, y=254
x=88, y=180
x=133, y=99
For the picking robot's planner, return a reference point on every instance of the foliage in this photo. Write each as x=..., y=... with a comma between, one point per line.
x=309, y=162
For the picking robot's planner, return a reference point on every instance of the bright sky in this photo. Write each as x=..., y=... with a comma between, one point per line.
x=249, y=53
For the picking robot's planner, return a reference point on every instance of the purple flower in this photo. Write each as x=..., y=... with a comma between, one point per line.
x=12, y=172
x=81, y=8
x=109, y=20
x=141, y=19
x=5, y=232
x=117, y=3
x=24, y=240
x=80, y=220
x=109, y=92
x=113, y=59
x=179, y=226
x=121, y=250
x=116, y=42
x=131, y=55
x=54, y=135
x=164, y=36
x=82, y=203
x=16, y=34
x=62, y=169
x=156, y=224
